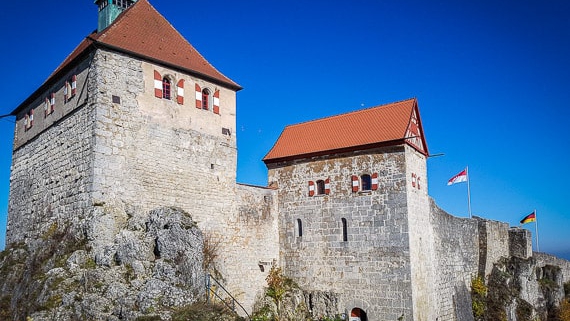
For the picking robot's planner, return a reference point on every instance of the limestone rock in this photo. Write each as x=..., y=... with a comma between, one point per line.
x=116, y=272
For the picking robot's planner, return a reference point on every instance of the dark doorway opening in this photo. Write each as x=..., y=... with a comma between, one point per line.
x=357, y=314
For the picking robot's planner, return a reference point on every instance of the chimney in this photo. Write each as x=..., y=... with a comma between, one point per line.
x=109, y=10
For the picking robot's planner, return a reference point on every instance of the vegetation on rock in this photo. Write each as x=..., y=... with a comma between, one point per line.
x=283, y=300
x=501, y=295
x=478, y=294
x=66, y=274
x=565, y=310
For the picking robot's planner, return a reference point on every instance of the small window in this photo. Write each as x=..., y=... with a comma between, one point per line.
x=165, y=88
x=320, y=187
x=47, y=107
x=66, y=92
x=102, y=4
x=206, y=99
x=29, y=120
x=366, y=182
x=123, y=4
x=299, y=227
x=344, y=230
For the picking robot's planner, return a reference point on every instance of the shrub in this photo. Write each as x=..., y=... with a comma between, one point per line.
x=478, y=294
x=277, y=285
x=5, y=311
x=565, y=310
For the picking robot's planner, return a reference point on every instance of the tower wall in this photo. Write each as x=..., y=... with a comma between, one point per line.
x=421, y=236
x=371, y=270
x=52, y=170
x=153, y=152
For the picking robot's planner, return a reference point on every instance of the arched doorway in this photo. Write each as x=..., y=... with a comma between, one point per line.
x=357, y=314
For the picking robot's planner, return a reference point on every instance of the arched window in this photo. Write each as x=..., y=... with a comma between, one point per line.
x=206, y=99
x=344, y=230
x=299, y=227
x=320, y=187
x=165, y=88
x=366, y=182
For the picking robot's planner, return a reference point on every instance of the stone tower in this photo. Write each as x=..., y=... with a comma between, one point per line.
x=135, y=115
x=353, y=204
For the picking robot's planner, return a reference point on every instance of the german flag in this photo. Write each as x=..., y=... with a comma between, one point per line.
x=529, y=218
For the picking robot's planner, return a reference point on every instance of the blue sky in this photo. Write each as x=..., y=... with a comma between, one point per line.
x=492, y=79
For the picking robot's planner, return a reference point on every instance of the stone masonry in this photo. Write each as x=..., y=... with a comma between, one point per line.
x=52, y=163
x=141, y=178
x=370, y=270
x=123, y=148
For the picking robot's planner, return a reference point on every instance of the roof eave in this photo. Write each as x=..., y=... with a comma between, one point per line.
x=229, y=85
x=395, y=142
x=53, y=78
x=97, y=44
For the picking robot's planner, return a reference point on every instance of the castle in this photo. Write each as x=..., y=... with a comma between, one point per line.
x=136, y=118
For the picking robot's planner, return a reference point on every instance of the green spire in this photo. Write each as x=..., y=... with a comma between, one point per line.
x=109, y=10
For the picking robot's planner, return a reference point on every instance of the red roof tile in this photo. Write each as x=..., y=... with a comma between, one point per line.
x=144, y=31
x=360, y=129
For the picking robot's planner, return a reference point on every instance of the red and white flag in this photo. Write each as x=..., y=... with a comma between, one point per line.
x=461, y=177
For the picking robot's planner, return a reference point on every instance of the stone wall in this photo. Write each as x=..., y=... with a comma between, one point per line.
x=45, y=116
x=543, y=259
x=371, y=270
x=456, y=245
x=520, y=243
x=466, y=248
x=149, y=153
x=421, y=236
x=51, y=170
x=154, y=152
x=254, y=245
x=493, y=244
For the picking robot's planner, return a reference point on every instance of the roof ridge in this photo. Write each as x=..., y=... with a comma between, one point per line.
x=380, y=125
x=354, y=112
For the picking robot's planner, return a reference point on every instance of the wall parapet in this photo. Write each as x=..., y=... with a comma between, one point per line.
x=520, y=243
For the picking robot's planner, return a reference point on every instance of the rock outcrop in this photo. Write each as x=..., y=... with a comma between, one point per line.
x=117, y=265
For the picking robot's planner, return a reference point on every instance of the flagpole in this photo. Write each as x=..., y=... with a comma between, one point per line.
x=469, y=192
x=536, y=229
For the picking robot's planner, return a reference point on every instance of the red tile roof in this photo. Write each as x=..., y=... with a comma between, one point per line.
x=143, y=32
x=362, y=129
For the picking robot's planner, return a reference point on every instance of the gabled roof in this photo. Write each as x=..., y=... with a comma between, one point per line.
x=390, y=124
x=143, y=32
